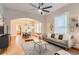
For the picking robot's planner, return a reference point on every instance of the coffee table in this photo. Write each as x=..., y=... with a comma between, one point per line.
x=40, y=43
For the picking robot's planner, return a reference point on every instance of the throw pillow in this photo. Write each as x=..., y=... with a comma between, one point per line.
x=52, y=35
x=60, y=37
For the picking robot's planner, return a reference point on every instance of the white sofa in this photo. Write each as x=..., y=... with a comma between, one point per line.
x=66, y=42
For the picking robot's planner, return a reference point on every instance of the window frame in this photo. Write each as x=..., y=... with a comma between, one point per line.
x=64, y=14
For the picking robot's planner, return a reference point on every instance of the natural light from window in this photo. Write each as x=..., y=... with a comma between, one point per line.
x=61, y=24
x=38, y=28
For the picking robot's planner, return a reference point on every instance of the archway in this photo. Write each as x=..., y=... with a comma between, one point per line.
x=25, y=25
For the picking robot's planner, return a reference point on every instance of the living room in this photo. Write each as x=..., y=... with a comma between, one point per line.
x=69, y=12
x=57, y=28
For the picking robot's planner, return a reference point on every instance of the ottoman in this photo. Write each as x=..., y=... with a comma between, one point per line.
x=62, y=52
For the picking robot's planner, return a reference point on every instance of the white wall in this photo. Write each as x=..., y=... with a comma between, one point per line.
x=11, y=14
x=1, y=15
x=1, y=9
x=73, y=10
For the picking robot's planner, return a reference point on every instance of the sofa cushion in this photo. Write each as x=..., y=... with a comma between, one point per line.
x=59, y=41
x=62, y=41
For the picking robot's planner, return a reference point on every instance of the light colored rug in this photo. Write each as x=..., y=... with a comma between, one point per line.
x=29, y=49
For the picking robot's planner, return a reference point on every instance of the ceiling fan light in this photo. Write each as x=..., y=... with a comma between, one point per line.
x=39, y=10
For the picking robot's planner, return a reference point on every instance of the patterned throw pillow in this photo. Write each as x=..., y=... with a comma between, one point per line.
x=60, y=37
x=52, y=35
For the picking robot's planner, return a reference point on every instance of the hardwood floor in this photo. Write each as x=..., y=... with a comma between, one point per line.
x=14, y=48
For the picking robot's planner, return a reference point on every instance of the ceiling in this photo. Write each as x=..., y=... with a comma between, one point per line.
x=26, y=7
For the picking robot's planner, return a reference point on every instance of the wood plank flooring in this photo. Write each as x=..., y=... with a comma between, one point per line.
x=14, y=48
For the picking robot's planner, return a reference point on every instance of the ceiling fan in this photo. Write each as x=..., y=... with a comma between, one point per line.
x=40, y=8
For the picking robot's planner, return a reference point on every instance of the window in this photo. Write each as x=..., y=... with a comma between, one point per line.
x=61, y=24
x=38, y=28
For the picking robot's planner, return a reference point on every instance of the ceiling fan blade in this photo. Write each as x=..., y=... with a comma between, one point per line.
x=45, y=11
x=47, y=7
x=33, y=5
x=40, y=4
